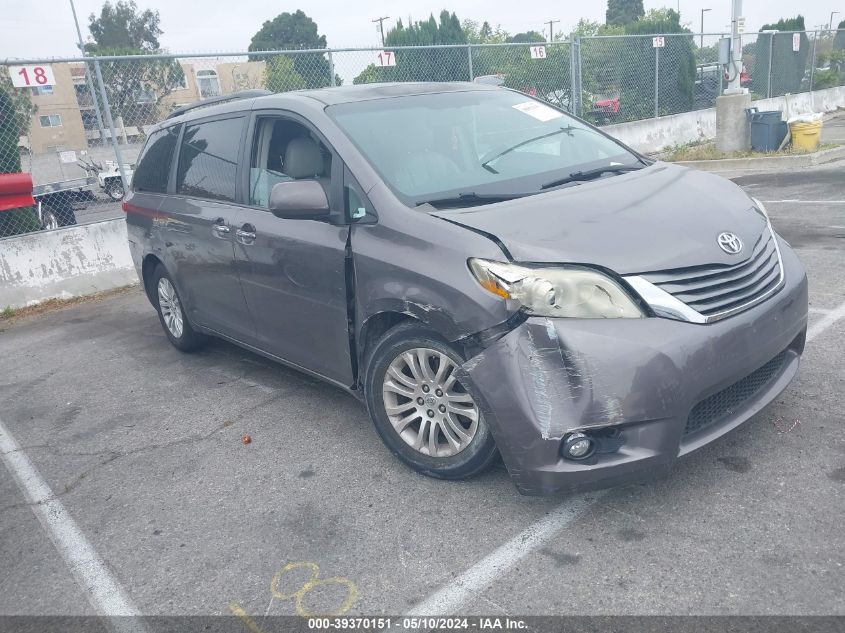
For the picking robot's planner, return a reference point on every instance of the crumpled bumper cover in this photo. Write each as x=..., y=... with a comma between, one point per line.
x=549, y=377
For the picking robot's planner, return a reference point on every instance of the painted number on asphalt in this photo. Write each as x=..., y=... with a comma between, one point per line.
x=386, y=58
x=31, y=76
x=350, y=595
x=538, y=52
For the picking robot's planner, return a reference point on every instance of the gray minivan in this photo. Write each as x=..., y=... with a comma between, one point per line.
x=489, y=274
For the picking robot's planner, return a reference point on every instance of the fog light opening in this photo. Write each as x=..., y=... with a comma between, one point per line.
x=577, y=447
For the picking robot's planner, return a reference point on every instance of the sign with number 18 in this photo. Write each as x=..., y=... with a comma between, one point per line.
x=31, y=76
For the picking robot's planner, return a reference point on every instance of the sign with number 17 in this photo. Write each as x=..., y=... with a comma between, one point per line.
x=31, y=76
x=385, y=58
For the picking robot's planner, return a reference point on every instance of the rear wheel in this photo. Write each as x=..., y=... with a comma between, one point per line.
x=171, y=313
x=421, y=409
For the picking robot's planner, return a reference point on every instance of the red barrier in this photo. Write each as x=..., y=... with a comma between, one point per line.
x=15, y=191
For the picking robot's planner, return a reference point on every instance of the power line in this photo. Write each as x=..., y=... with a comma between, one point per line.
x=551, y=24
x=381, y=26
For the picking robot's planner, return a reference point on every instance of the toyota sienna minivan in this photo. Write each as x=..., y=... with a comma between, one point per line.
x=489, y=274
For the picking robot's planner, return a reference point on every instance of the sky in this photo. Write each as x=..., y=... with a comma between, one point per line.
x=44, y=28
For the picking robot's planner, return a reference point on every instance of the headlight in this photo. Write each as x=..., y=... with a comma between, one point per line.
x=556, y=291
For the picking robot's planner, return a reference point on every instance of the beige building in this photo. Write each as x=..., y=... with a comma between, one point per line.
x=66, y=118
x=57, y=124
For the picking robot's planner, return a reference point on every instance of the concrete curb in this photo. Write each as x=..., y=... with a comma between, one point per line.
x=767, y=163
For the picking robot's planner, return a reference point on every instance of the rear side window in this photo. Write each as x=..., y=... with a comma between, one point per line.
x=153, y=170
x=208, y=159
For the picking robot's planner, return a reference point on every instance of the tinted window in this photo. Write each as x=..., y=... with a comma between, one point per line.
x=208, y=159
x=153, y=169
x=436, y=145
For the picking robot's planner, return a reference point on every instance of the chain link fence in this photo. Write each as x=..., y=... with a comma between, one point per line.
x=77, y=125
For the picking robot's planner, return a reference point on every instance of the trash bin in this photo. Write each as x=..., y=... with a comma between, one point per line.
x=806, y=135
x=768, y=129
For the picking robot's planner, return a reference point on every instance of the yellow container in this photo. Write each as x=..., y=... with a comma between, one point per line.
x=806, y=136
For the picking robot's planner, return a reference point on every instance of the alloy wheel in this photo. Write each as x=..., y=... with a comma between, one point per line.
x=427, y=405
x=171, y=307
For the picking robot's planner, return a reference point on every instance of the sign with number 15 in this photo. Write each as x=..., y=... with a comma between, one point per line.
x=31, y=76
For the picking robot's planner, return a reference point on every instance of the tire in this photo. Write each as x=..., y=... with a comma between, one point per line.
x=171, y=313
x=49, y=219
x=114, y=189
x=405, y=425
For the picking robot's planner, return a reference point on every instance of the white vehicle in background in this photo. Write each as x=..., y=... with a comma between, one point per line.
x=108, y=177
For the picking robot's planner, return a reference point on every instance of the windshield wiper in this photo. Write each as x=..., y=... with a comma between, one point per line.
x=568, y=130
x=590, y=174
x=470, y=198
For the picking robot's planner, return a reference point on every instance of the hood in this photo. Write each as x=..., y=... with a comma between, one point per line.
x=658, y=218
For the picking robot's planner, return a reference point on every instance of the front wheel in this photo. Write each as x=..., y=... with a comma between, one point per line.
x=114, y=189
x=171, y=313
x=420, y=408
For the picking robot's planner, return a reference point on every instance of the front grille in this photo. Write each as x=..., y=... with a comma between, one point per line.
x=716, y=289
x=723, y=403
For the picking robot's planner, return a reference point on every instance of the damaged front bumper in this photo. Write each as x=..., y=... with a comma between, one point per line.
x=645, y=377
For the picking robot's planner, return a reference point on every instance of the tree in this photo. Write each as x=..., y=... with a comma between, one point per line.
x=280, y=75
x=122, y=26
x=526, y=38
x=16, y=112
x=622, y=12
x=295, y=31
x=135, y=89
x=787, y=66
x=428, y=64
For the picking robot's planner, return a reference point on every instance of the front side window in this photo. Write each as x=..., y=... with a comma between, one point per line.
x=285, y=150
x=432, y=146
x=208, y=159
x=50, y=120
x=154, y=164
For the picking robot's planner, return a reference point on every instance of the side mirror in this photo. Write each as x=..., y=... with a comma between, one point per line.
x=298, y=199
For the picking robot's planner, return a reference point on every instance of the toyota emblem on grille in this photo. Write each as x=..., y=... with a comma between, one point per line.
x=729, y=243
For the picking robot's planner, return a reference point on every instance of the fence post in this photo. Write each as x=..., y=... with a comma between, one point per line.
x=575, y=85
x=110, y=123
x=771, y=52
x=813, y=59
x=656, y=79
x=469, y=62
x=331, y=70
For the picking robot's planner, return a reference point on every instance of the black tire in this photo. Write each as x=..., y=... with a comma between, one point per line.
x=114, y=189
x=189, y=339
x=472, y=460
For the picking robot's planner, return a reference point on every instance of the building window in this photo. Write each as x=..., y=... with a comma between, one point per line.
x=41, y=90
x=208, y=84
x=50, y=120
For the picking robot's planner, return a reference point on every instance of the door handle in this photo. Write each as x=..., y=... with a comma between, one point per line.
x=246, y=234
x=219, y=228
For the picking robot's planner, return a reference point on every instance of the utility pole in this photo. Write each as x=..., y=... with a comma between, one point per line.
x=830, y=24
x=381, y=26
x=703, y=11
x=551, y=24
x=95, y=102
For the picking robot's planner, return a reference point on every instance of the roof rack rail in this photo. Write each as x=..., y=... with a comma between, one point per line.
x=243, y=94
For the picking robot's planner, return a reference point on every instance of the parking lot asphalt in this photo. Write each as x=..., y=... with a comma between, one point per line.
x=143, y=447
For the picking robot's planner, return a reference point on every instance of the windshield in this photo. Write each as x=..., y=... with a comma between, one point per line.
x=473, y=145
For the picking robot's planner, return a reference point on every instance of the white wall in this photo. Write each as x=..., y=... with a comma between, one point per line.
x=69, y=262
x=654, y=135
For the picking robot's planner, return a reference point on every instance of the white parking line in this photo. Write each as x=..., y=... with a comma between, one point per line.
x=103, y=591
x=475, y=580
x=472, y=582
